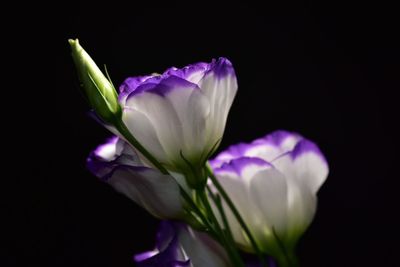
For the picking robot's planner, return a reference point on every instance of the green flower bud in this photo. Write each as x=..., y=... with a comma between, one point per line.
x=99, y=90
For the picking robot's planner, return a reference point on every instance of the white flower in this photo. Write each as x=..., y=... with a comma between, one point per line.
x=273, y=182
x=180, y=116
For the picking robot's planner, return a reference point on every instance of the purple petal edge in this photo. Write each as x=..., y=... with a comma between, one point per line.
x=221, y=67
x=275, y=139
x=306, y=146
x=96, y=164
x=105, y=168
x=237, y=165
x=168, y=249
x=143, y=256
x=162, y=86
x=185, y=72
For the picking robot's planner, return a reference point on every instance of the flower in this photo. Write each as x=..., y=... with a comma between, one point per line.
x=99, y=90
x=117, y=163
x=180, y=116
x=273, y=183
x=180, y=246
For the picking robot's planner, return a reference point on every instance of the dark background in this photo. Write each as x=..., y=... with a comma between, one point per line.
x=329, y=72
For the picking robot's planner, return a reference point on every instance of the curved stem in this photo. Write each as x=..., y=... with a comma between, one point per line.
x=236, y=213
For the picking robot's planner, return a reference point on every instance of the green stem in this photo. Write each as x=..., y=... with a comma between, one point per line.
x=286, y=258
x=218, y=203
x=229, y=246
x=236, y=213
x=214, y=228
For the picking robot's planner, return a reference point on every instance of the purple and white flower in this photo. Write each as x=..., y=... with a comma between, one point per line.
x=117, y=163
x=180, y=115
x=179, y=246
x=273, y=182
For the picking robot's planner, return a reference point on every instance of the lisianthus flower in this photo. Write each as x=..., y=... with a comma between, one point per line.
x=180, y=246
x=273, y=182
x=180, y=115
x=117, y=163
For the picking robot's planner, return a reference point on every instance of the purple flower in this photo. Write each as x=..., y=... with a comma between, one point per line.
x=117, y=163
x=179, y=246
x=180, y=115
x=273, y=182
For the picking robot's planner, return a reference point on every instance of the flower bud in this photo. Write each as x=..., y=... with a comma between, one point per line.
x=101, y=93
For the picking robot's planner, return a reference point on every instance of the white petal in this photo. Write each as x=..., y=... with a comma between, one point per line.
x=202, y=250
x=193, y=110
x=170, y=124
x=266, y=152
x=238, y=191
x=311, y=169
x=195, y=76
x=143, y=116
x=305, y=164
x=220, y=91
x=237, y=178
x=157, y=193
x=305, y=169
x=273, y=145
x=268, y=190
x=301, y=209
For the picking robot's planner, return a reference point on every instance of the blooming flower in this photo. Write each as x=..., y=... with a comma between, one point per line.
x=167, y=126
x=116, y=163
x=180, y=246
x=273, y=183
x=180, y=116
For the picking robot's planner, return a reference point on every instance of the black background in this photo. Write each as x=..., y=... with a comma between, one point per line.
x=326, y=71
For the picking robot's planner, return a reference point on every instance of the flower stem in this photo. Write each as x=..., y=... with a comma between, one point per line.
x=229, y=246
x=218, y=203
x=237, y=215
x=287, y=258
x=213, y=227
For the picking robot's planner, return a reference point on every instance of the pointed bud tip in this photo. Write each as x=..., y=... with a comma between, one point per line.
x=72, y=41
x=74, y=44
